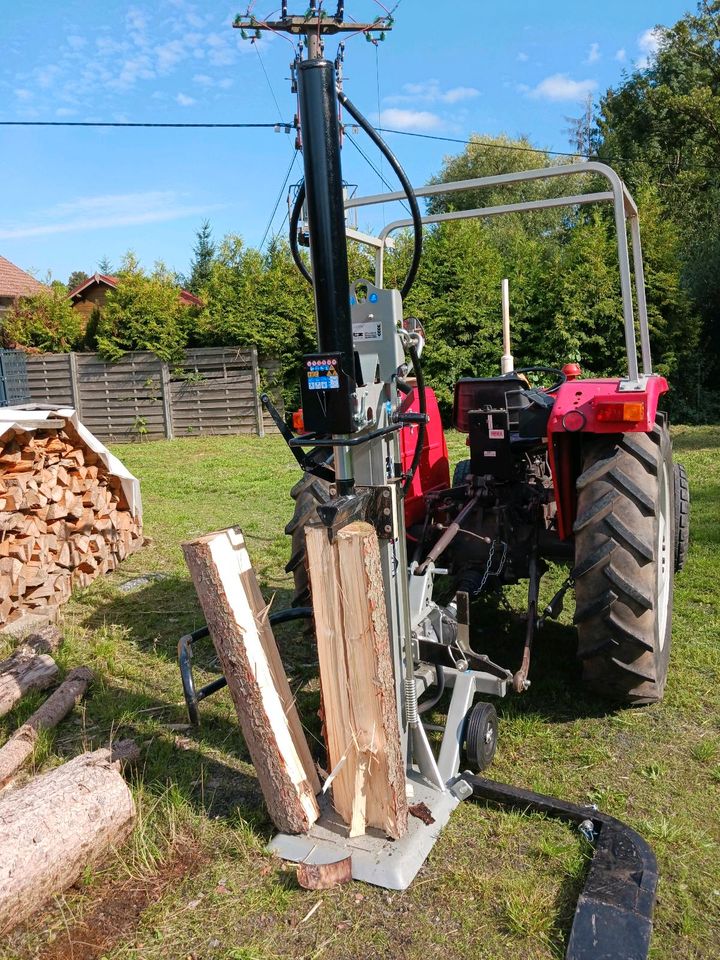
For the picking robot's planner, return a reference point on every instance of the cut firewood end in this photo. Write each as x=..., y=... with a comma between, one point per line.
x=64, y=520
x=236, y=615
x=324, y=876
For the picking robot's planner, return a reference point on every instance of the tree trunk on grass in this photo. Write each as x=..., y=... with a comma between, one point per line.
x=59, y=824
x=58, y=705
x=237, y=617
x=29, y=667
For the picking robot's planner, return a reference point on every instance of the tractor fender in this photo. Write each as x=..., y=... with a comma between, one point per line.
x=433, y=472
x=595, y=407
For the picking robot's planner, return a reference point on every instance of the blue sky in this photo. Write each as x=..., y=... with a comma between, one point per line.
x=71, y=197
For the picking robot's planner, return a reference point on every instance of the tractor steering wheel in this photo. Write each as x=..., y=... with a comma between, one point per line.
x=555, y=371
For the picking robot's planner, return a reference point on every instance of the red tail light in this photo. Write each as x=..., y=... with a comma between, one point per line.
x=607, y=411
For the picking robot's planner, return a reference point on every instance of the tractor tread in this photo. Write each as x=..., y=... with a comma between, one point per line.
x=596, y=512
x=643, y=551
x=600, y=555
x=633, y=490
x=616, y=553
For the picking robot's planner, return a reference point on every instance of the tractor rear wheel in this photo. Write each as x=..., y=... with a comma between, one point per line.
x=624, y=560
x=307, y=493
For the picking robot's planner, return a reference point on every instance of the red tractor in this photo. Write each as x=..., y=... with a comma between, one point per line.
x=579, y=471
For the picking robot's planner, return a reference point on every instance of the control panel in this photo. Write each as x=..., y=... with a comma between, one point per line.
x=326, y=392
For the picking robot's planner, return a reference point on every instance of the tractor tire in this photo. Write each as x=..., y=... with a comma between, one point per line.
x=624, y=558
x=461, y=473
x=307, y=493
x=682, y=516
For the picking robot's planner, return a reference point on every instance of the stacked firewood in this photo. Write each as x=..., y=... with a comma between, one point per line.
x=64, y=519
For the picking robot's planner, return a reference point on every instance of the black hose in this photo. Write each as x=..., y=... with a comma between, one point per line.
x=437, y=697
x=405, y=183
x=422, y=428
x=294, y=221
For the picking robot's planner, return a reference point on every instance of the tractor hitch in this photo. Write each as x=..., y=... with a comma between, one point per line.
x=613, y=917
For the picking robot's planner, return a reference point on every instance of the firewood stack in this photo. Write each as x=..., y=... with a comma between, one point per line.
x=64, y=519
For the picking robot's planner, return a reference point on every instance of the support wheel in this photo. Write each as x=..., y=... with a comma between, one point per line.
x=682, y=516
x=307, y=493
x=481, y=727
x=624, y=556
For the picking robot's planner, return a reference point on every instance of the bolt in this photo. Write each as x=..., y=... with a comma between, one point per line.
x=387, y=528
x=386, y=511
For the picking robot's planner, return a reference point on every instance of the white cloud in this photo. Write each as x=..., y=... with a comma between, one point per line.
x=649, y=44
x=593, y=53
x=184, y=100
x=560, y=87
x=105, y=211
x=65, y=112
x=203, y=79
x=75, y=42
x=430, y=91
x=23, y=94
x=621, y=55
x=410, y=119
x=523, y=57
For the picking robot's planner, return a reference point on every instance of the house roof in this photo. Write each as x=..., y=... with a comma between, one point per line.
x=102, y=279
x=15, y=282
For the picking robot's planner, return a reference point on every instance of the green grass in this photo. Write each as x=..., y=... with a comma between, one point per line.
x=497, y=884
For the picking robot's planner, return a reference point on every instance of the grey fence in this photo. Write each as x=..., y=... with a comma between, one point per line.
x=214, y=391
x=13, y=378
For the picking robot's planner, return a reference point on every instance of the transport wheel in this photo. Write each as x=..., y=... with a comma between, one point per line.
x=461, y=473
x=682, y=516
x=307, y=493
x=481, y=735
x=624, y=558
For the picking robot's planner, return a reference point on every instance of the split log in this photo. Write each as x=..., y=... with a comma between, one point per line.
x=58, y=825
x=29, y=667
x=324, y=876
x=357, y=679
x=58, y=705
x=237, y=618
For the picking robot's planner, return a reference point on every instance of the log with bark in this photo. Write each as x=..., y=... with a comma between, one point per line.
x=361, y=728
x=64, y=519
x=21, y=744
x=59, y=824
x=237, y=617
x=29, y=667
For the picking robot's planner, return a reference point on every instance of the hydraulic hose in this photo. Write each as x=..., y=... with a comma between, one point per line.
x=405, y=183
x=294, y=221
x=438, y=695
x=422, y=428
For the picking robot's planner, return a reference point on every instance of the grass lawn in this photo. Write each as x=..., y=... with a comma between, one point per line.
x=195, y=881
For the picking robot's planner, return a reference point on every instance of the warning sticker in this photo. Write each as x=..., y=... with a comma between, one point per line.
x=497, y=434
x=367, y=330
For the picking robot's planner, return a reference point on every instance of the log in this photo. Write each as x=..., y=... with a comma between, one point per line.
x=237, y=618
x=58, y=705
x=324, y=876
x=357, y=679
x=55, y=827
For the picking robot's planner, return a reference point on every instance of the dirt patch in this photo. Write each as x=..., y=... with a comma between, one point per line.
x=118, y=907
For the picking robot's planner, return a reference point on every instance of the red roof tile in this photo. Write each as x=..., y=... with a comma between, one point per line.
x=14, y=282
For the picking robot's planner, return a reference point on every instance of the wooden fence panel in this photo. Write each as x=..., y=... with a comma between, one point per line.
x=214, y=391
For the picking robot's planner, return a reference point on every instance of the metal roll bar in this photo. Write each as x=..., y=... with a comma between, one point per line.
x=625, y=210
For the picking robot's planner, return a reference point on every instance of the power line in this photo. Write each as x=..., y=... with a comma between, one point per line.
x=111, y=123
x=279, y=197
x=367, y=159
x=288, y=125
x=482, y=143
x=270, y=86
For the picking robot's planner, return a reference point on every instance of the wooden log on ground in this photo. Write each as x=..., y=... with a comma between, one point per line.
x=29, y=667
x=58, y=825
x=357, y=679
x=58, y=705
x=324, y=876
x=237, y=617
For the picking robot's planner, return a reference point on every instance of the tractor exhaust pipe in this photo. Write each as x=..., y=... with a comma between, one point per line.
x=507, y=363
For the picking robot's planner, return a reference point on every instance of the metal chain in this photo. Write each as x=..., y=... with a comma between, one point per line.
x=489, y=572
